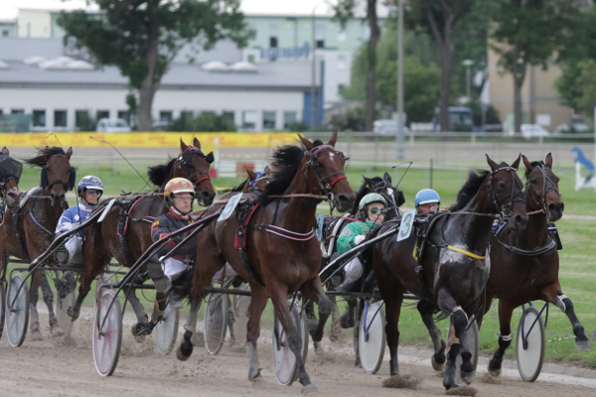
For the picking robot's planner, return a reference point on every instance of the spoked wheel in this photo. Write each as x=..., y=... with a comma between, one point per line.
x=371, y=337
x=284, y=361
x=166, y=331
x=474, y=343
x=17, y=310
x=2, y=306
x=530, y=344
x=107, y=332
x=62, y=305
x=216, y=322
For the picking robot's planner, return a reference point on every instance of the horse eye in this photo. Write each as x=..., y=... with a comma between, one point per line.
x=533, y=181
x=502, y=185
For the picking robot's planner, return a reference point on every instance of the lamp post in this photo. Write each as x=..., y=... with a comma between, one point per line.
x=313, y=102
x=468, y=64
x=400, y=81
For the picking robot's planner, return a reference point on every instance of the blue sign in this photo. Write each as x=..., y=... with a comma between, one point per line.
x=274, y=53
x=407, y=220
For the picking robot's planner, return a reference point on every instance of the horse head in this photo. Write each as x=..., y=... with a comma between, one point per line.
x=382, y=186
x=326, y=176
x=257, y=180
x=194, y=165
x=57, y=175
x=542, y=188
x=9, y=185
x=506, y=192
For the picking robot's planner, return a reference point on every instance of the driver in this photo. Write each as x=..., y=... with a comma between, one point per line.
x=373, y=208
x=427, y=201
x=179, y=195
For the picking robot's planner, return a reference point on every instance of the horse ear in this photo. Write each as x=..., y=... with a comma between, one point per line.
x=69, y=153
x=527, y=164
x=368, y=181
x=548, y=161
x=251, y=175
x=333, y=138
x=183, y=145
x=516, y=162
x=196, y=143
x=493, y=166
x=387, y=178
x=267, y=170
x=307, y=144
x=5, y=151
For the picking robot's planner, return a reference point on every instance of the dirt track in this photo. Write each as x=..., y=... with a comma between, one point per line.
x=65, y=368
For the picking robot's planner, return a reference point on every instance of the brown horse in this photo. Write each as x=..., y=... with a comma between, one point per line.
x=30, y=229
x=525, y=266
x=452, y=273
x=10, y=174
x=283, y=254
x=107, y=240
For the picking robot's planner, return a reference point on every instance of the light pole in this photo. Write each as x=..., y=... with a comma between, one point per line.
x=400, y=81
x=313, y=102
x=468, y=64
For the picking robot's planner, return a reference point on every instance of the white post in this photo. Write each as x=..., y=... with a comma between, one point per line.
x=400, y=81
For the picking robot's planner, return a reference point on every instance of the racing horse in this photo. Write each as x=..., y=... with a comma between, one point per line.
x=281, y=255
x=10, y=174
x=29, y=230
x=525, y=266
x=450, y=273
x=125, y=232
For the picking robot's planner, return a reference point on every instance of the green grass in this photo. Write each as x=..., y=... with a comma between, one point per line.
x=577, y=264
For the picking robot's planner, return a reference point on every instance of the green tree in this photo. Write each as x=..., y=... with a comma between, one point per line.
x=344, y=10
x=142, y=37
x=530, y=32
x=577, y=86
x=204, y=122
x=439, y=19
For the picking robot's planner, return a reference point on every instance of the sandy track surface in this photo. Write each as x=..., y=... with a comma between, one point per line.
x=64, y=367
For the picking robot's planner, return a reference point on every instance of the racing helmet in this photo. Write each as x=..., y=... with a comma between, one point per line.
x=371, y=198
x=177, y=185
x=427, y=196
x=89, y=182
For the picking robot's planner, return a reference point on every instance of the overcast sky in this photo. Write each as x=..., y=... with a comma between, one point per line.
x=8, y=8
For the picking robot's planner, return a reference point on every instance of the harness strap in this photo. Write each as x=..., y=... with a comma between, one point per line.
x=207, y=177
x=126, y=222
x=39, y=224
x=285, y=233
x=467, y=253
x=337, y=179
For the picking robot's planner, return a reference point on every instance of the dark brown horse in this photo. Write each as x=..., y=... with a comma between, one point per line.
x=282, y=255
x=525, y=266
x=30, y=229
x=453, y=273
x=105, y=240
x=10, y=174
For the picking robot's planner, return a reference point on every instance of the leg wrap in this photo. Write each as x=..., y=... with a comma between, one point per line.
x=563, y=303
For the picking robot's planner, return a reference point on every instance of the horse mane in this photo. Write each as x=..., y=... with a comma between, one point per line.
x=239, y=187
x=158, y=174
x=285, y=161
x=363, y=191
x=534, y=164
x=469, y=189
x=43, y=155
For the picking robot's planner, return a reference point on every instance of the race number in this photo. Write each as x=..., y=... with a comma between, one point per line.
x=230, y=207
x=407, y=220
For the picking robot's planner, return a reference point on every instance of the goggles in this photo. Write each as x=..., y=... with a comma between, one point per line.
x=375, y=210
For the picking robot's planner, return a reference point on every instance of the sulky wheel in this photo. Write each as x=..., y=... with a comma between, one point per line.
x=284, y=361
x=371, y=337
x=107, y=332
x=474, y=343
x=166, y=330
x=530, y=344
x=17, y=310
x=216, y=322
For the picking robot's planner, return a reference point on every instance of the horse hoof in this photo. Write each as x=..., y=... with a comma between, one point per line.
x=257, y=382
x=468, y=377
x=254, y=374
x=308, y=389
x=583, y=345
x=316, y=336
x=36, y=335
x=346, y=321
x=140, y=330
x=437, y=366
x=494, y=372
x=56, y=331
x=72, y=314
x=183, y=354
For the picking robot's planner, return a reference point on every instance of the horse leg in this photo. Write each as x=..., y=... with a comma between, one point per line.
x=313, y=290
x=34, y=315
x=392, y=313
x=258, y=301
x=425, y=309
x=48, y=297
x=553, y=294
x=142, y=318
x=279, y=294
x=505, y=337
x=335, y=334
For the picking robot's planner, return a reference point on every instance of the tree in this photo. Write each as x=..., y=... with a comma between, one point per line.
x=530, y=32
x=142, y=37
x=577, y=86
x=438, y=19
x=204, y=122
x=344, y=10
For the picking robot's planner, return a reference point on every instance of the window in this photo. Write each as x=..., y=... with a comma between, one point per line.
x=268, y=120
x=5, y=33
x=82, y=121
x=165, y=116
x=103, y=114
x=123, y=114
x=320, y=36
x=289, y=119
x=60, y=118
x=273, y=36
x=273, y=42
x=17, y=111
x=228, y=115
x=249, y=119
x=39, y=118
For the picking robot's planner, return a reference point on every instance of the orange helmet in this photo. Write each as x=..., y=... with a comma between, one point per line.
x=178, y=185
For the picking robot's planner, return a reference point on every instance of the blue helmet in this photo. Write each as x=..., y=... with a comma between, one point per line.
x=89, y=182
x=426, y=196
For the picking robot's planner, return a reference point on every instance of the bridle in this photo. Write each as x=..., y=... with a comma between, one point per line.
x=552, y=187
x=380, y=188
x=260, y=176
x=185, y=159
x=506, y=210
x=314, y=165
x=68, y=185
